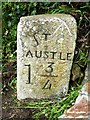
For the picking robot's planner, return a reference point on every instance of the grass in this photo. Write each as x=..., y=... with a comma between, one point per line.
x=49, y=109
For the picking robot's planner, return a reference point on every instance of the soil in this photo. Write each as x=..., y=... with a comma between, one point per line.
x=11, y=112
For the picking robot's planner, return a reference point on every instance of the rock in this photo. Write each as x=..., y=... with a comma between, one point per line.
x=81, y=108
x=85, y=80
x=76, y=72
x=78, y=76
x=45, y=51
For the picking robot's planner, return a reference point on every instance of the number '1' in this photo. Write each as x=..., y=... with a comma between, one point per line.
x=29, y=73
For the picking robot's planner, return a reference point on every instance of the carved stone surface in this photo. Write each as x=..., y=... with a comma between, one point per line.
x=45, y=50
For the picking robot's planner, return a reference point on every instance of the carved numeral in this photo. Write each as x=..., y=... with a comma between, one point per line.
x=50, y=68
x=29, y=73
x=47, y=85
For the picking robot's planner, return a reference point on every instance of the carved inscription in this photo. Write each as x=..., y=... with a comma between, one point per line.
x=47, y=85
x=29, y=74
x=50, y=67
x=46, y=55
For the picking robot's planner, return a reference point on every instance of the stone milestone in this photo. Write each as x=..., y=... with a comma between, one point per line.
x=45, y=51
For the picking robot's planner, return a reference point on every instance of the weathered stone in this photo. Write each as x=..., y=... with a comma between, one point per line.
x=81, y=108
x=45, y=50
x=85, y=80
